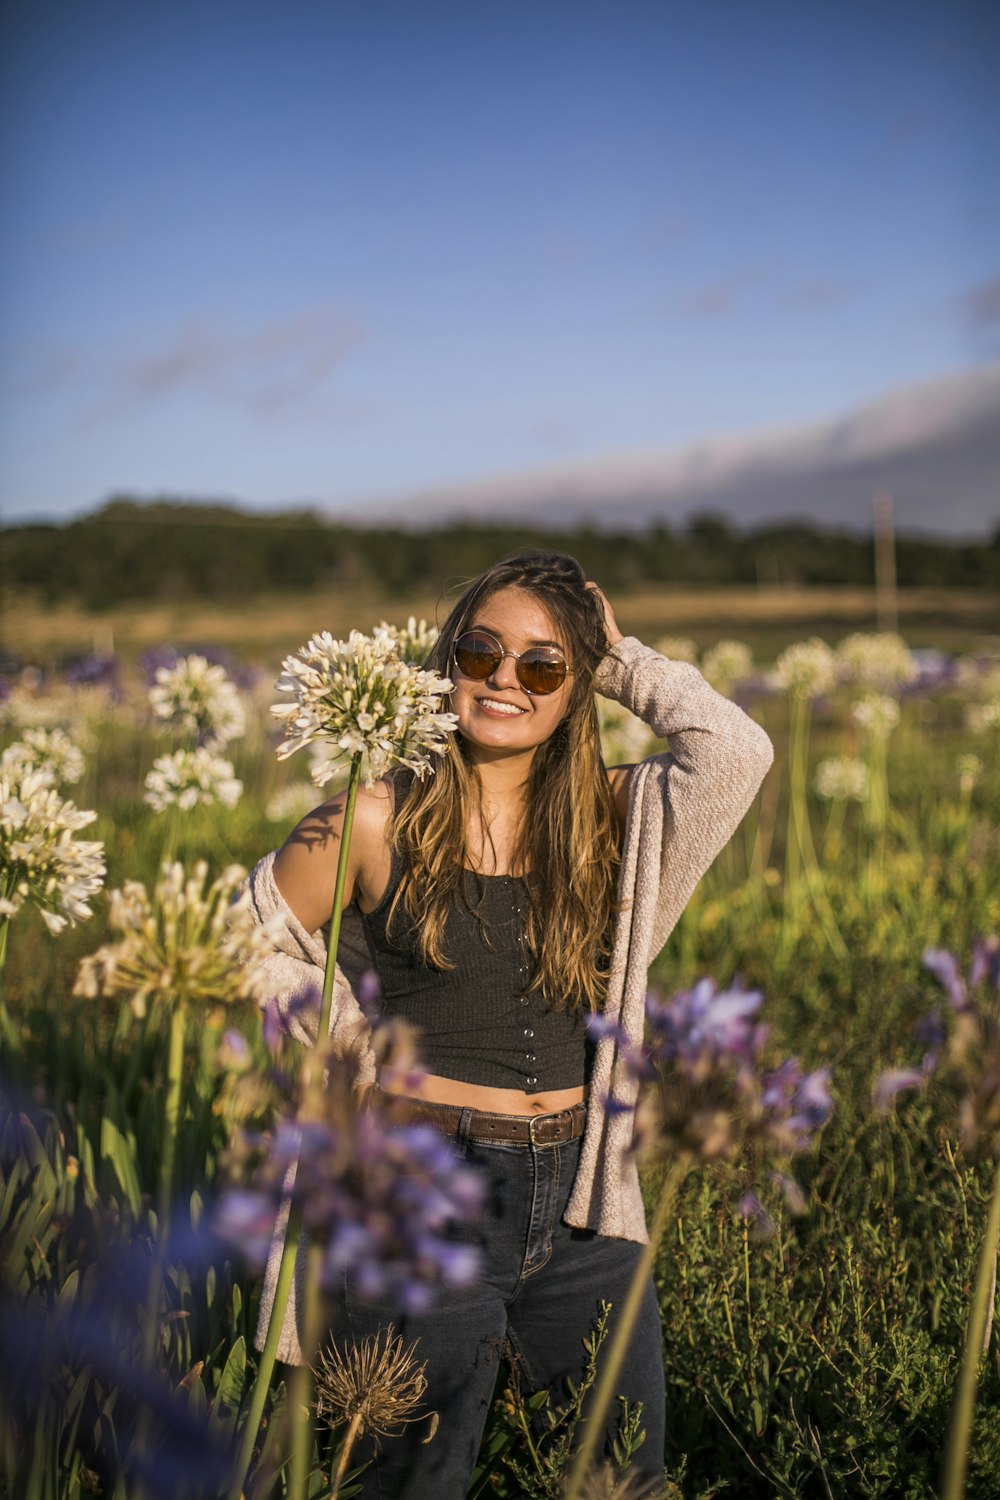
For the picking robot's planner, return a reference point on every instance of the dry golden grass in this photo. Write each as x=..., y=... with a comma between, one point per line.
x=268, y=627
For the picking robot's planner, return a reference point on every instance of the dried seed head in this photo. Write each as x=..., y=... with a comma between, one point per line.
x=608, y=1483
x=377, y=1382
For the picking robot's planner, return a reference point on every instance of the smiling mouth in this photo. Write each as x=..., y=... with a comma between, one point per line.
x=506, y=710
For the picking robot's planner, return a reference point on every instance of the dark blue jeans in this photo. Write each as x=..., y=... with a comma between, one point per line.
x=537, y=1300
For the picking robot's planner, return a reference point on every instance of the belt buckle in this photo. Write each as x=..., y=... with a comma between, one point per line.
x=532, y=1122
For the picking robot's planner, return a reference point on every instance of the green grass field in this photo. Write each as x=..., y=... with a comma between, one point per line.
x=818, y=1362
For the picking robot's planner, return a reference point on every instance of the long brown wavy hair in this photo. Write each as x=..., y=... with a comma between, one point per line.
x=568, y=845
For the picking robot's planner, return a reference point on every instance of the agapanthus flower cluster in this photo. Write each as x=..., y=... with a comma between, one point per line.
x=414, y=642
x=625, y=739
x=189, y=778
x=962, y=1046
x=386, y=1201
x=49, y=750
x=191, y=942
x=880, y=660
x=197, y=697
x=877, y=714
x=360, y=697
x=705, y=1093
x=841, y=778
x=806, y=669
x=726, y=664
x=41, y=860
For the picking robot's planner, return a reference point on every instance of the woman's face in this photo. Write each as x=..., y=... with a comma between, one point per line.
x=497, y=717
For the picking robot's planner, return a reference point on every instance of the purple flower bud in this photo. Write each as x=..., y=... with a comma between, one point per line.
x=234, y=1052
x=369, y=994
x=753, y=1210
x=893, y=1082
x=931, y=1031
x=944, y=966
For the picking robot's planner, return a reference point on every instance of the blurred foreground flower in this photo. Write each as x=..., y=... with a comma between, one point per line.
x=49, y=750
x=188, y=778
x=189, y=943
x=362, y=698
x=197, y=697
x=381, y=1200
x=40, y=860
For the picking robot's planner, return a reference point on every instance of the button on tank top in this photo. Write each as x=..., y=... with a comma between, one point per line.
x=478, y=1023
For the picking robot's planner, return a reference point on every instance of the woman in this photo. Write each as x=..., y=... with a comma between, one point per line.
x=504, y=898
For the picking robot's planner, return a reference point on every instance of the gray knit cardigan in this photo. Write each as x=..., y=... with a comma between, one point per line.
x=684, y=805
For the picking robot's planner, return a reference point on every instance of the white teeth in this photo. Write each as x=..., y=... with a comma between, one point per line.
x=503, y=708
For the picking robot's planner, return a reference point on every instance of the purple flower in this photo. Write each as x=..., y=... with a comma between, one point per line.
x=387, y=1202
x=703, y=1026
x=895, y=1080
x=92, y=670
x=156, y=657
x=944, y=966
x=797, y=1103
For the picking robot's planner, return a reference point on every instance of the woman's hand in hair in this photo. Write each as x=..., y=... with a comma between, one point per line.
x=614, y=635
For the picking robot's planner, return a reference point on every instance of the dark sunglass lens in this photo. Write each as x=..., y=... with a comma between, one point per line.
x=540, y=673
x=477, y=655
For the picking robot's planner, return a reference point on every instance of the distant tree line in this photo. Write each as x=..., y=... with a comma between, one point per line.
x=171, y=550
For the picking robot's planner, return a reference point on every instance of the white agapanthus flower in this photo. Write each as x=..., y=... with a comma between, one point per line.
x=727, y=663
x=414, y=642
x=842, y=778
x=806, y=669
x=40, y=859
x=189, y=778
x=624, y=738
x=49, y=750
x=677, y=648
x=877, y=714
x=189, y=943
x=197, y=697
x=879, y=659
x=359, y=697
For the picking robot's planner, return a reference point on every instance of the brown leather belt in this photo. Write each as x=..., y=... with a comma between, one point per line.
x=505, y=1130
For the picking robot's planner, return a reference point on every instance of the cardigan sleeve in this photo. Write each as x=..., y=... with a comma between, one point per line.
x=716, y=759
x=297, y=966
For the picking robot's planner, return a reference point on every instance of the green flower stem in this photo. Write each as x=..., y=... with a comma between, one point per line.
x=265, y=1369
x=4, y=928
x=335, y=915
x=956, y=1459
x=301, y=1385
x=154, y=1287
x=605, y=1390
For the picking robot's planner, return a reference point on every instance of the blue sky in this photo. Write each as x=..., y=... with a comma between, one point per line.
x=323, y=251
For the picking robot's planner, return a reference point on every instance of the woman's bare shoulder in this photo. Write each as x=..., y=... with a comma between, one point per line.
x=305, y=867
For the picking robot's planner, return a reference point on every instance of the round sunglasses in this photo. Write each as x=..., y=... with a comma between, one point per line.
x=539, y=670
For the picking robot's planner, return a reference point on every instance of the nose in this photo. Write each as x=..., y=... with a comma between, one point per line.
x=505, y=675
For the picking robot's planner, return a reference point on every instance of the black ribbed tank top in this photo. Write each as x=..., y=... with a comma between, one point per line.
x=477, y=1021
